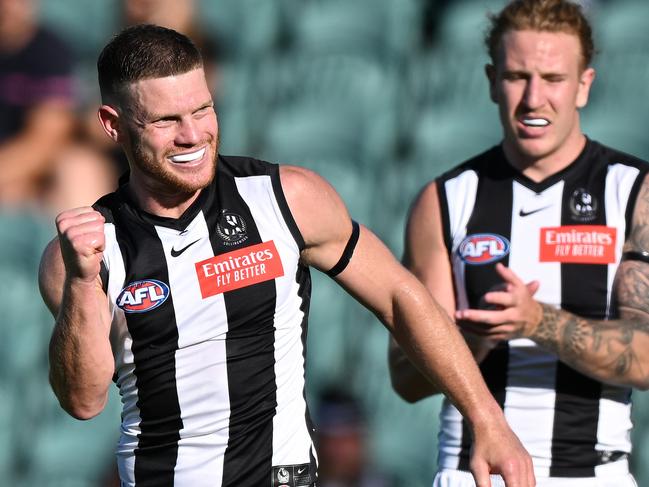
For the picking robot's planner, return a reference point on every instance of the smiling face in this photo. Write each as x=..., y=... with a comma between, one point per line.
x=169, y=131
x=539, y=85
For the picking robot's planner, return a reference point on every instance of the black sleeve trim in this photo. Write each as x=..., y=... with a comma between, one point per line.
x=444, y=214
x=632, y=255
x=347, y=253
x=633, y=197
x=284, y=208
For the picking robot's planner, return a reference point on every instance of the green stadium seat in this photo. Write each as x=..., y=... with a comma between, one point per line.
x=622, y=25
x=234, y=106
x=247, y=28
x=622, y=127
x=375, y=29
x=464, y=23
x=334, y=107
x=444, y=138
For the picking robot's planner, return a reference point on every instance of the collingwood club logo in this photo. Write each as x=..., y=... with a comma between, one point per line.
x=583, y=205
x=231, y=228
x=283, y=476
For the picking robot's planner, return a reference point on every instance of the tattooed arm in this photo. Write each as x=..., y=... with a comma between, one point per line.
x=616, y=350
x=613, y=351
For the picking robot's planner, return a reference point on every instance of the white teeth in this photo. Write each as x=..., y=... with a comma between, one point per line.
x=536, y=122
x=189, y=157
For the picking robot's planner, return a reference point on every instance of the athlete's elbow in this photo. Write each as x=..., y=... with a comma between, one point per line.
x=409, y=384
x=641, y=383
x=82, y=410
x=631, y=379
x=79, y=406
x=409, y=394
x=82, y=414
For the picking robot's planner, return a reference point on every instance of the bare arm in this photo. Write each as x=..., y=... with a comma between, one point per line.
x=419, y=324
x=81, y=360
x=612, y=351
x=426, y=257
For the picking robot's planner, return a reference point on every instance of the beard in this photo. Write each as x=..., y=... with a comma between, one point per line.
x=164, y=177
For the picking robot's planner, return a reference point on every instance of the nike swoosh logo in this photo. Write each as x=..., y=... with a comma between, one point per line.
x=176, y=253
x=527, y=213
x=300, y=470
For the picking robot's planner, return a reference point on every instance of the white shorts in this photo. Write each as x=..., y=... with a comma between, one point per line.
x=615, y=474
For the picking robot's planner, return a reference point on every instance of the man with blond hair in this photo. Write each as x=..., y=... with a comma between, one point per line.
x=539, y=247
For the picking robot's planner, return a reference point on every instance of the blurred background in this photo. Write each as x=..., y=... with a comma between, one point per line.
x=378, y=96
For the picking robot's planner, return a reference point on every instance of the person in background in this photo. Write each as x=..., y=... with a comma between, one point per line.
x=189, y=287
x=341, y=437
x=539, y=247
x=36, y=102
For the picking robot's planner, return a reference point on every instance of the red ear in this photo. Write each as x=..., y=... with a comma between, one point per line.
x=109, y=120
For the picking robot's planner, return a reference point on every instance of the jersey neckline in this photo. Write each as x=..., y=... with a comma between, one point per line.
x=574, y=167
x=179, y=223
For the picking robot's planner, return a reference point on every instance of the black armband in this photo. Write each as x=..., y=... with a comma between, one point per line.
x=347, y=253
x=642, y=256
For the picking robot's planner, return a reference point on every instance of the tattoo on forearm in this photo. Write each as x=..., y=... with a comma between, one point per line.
x=611, y=350
x=591, y=345
x=565, y=334
x=575, y=335
x=546, y=333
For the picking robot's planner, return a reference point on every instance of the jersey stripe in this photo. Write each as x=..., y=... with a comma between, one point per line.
x=125, y=378
x=480, y=279
x=155, y=368
x=201, y=347
x=574, y=390
x=620, y=180
x=532, y=371
x=303, y=279
x=464, y=186
x=258, y=191
x=250, y=359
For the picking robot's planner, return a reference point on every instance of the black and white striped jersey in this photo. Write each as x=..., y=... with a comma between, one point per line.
x=209, y=321
x=566, y=232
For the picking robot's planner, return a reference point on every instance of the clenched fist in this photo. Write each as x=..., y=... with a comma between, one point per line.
x=82, y=239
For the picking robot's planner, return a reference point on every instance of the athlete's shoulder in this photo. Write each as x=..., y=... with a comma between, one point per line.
x=109, y=204
x=610, y=156
x=490, y=159
x=242, y=166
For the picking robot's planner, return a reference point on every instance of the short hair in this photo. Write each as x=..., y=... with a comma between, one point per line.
x=144, y=51
x=543, y=16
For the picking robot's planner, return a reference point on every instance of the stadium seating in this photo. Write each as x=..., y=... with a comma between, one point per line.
x=39, y=444
x=248, y=29
x=621, y=25
x=351, y=90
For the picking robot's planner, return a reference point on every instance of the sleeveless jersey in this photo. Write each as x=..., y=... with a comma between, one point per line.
x=209, y=320
x=567, y=232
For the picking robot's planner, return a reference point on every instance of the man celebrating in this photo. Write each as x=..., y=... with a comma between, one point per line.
x=566, y=215
x=189, y=286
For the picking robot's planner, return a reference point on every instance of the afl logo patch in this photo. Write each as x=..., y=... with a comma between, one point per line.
x=231, y=228
x=483, y=248
x=142, y=296
x=583, y=205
